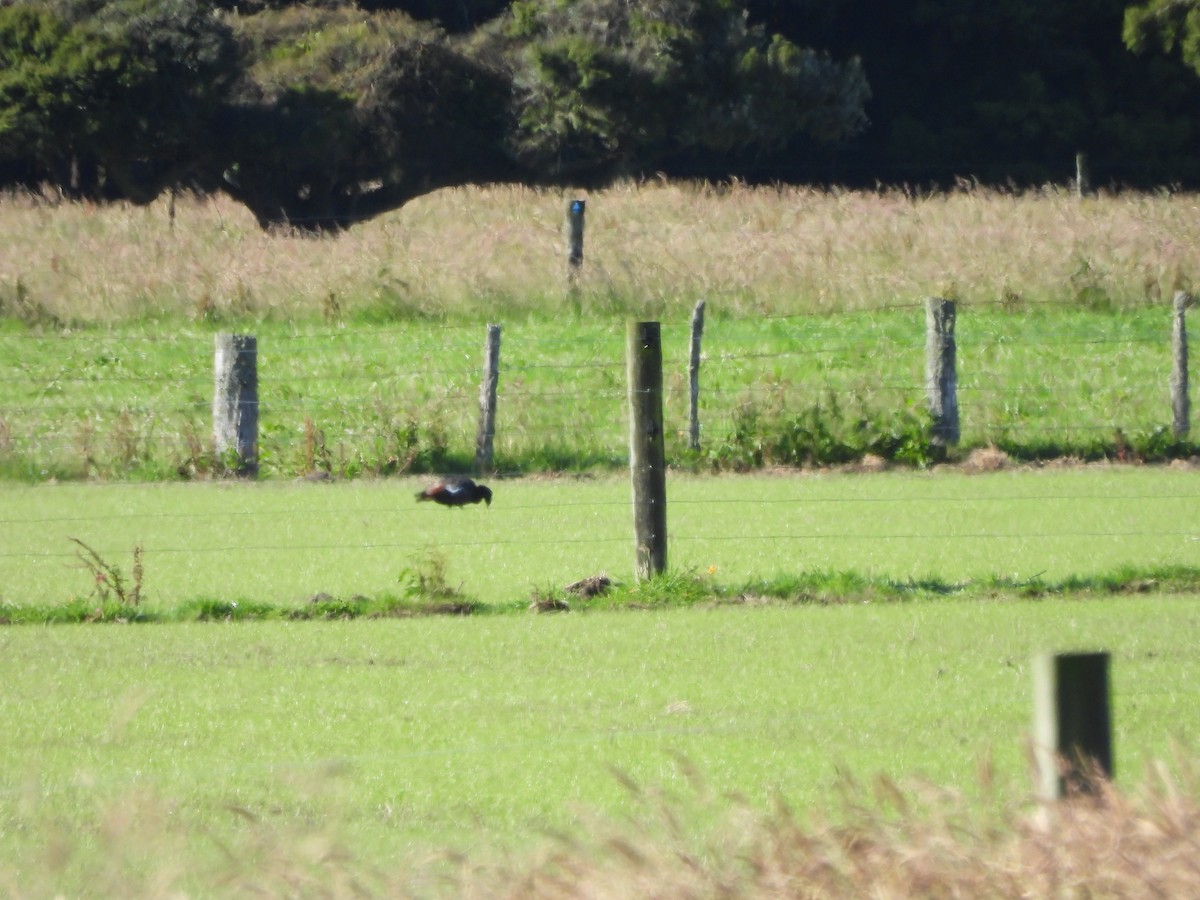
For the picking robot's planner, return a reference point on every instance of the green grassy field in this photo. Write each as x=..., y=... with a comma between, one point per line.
x=390, y=740
x=358, y=757
x=371, y=343
x=134, y=401
x=266, y=752
x=283, y=543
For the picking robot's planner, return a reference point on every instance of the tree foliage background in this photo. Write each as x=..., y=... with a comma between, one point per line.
x=324, y=113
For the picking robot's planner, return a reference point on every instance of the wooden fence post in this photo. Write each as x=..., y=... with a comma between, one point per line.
x=647, y=457
x=487, y=400
x=1180, y=404
x=1083, y=180
x=694, y=377
x=575, y=213
x=1072, y=728
x=235, y=402
x=941, y=369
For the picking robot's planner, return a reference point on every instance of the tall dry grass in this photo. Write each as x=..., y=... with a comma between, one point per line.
x=649, y=248
x=895, y=843
x=887, y=842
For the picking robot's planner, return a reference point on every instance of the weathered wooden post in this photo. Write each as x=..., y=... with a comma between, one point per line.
x=694, y=377
x=647, y=457
x=1072, y=726
x=487, y=400
x=1180, y=404
x=1083, y=180
x=575, y=212
x=941, y=369
x=235, y=402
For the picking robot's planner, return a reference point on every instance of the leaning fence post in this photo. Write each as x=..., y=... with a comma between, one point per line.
x=941, y=369
x=647, y=457
x=694, y=377
x=1180, y=405
x=487, y=400
x=1072, y=728
x=235, y=402
x=575, y=213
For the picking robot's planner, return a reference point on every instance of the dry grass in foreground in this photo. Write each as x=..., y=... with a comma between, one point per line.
x=650, y=248
x=899, y=844
x=886, y=843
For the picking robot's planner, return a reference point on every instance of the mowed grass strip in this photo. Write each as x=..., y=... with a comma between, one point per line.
x=284, y=543
x=386, y=741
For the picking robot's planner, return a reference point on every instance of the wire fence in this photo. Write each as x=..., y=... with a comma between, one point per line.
x=392, y=399
x=120, y=408
x=285, y=543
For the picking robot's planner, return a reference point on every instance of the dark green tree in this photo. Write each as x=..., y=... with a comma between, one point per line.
x=28, y=87
x=605, y=87
x=324, y=114
x=111, y=99
x=1172, y=25
x=1003, y=91
x=342, y=115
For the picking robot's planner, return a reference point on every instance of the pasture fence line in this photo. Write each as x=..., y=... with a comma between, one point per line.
x=108, y=406
x=235, y=401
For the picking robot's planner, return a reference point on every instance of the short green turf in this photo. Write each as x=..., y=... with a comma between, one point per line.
x=284, y=543
x=399, y=736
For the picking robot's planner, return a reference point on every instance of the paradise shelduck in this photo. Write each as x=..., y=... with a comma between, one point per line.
x=456, y=492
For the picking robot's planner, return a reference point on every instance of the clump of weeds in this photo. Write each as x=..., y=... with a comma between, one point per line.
x=425, y=583
x=109, y=582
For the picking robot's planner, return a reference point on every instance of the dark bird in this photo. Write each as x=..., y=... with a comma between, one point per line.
x=456, y=492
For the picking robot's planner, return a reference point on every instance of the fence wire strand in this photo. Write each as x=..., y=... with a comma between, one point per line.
x=353, y=387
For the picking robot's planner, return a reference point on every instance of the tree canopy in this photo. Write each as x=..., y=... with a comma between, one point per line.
x=110, y=99
x=323, y=113
x=1173, y=25
x=1002, y=91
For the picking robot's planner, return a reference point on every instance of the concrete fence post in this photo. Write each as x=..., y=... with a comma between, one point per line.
x=484, y=439
x=235, y=403
x=1180, y=403
x=941, y=370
